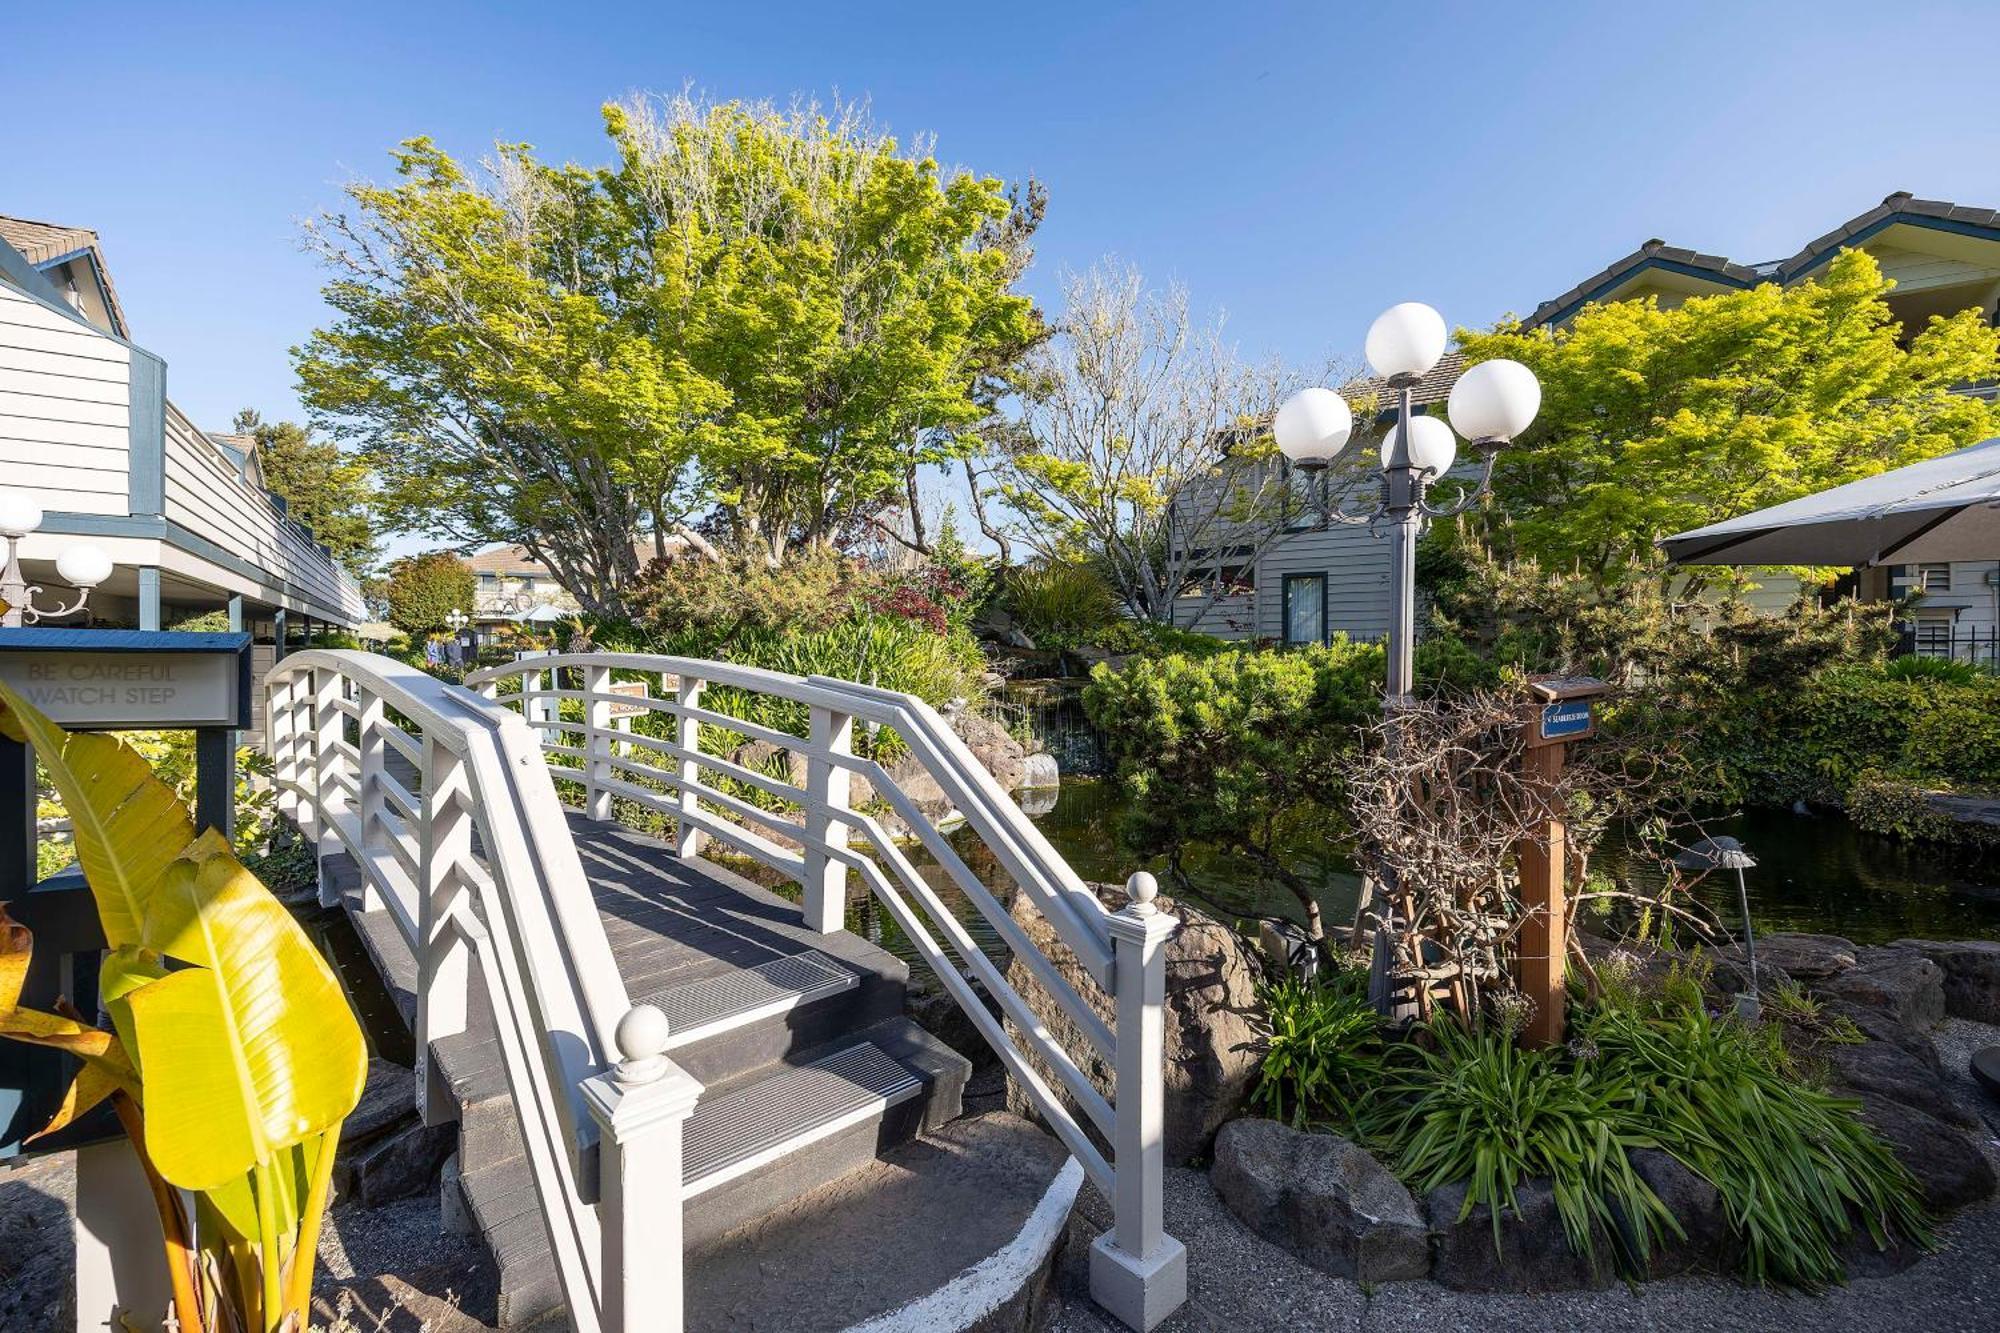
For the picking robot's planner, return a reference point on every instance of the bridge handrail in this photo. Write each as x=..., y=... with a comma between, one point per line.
x=515, y=902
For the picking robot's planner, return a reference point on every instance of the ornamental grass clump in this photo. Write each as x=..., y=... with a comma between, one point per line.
x=1323, y=1052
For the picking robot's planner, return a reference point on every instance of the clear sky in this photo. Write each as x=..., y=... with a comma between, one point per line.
x=1301, y=166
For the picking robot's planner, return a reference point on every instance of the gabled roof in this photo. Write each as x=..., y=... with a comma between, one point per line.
x=1434, y=387
x=1899, y=208
x=46, y=244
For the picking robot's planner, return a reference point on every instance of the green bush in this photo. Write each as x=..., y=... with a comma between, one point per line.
x=1949, y=670
x=1060, y=605
x=1149, y=636
x=1322, y=1049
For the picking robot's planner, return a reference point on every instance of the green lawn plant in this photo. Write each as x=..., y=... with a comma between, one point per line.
x=232, y=1057
x=1323, y=1051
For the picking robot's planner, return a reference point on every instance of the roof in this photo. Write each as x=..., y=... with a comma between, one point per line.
x=514, y=559
x=1900, y=207
x=1434, y=387
x=46, y=243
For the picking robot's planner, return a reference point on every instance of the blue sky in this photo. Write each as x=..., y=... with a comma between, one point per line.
x=1302, y=166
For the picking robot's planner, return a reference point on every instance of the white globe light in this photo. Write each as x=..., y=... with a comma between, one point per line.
x=1495, y=400
x=1406, y=339
x=83, y=566
x=1433, y=448
x=1313, y=426
x=19, y=515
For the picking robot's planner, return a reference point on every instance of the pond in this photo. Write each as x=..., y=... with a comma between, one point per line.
x=1815, y=872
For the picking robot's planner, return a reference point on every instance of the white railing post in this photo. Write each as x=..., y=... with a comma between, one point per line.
x=326, y=720
x=826, y=830
x=640, y=1109
x=1137, y=1271
x=371, y=749
x=687, y=734
x=443, y=958
x=596, y=741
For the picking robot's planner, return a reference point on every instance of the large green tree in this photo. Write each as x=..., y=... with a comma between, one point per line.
x=774, y=315
x=1656, y=420
x=328, y=489
x=423, y=590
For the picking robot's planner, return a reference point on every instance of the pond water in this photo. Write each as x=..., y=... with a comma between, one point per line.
x=1815, y=873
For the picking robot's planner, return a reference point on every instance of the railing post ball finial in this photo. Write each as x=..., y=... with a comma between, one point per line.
x=1142, y=888
x=642, y=1045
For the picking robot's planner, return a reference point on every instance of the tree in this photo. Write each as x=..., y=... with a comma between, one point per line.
x=423, y=591
x=777, y=314
x=324, y=487
x=1141, y=444
x=1655, y=421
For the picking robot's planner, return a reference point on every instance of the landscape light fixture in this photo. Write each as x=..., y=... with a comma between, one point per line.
x=1726, y=853
x=81, y=566
x=1491, y=405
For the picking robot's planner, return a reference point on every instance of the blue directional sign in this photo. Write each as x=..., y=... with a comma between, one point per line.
x=1564, y=718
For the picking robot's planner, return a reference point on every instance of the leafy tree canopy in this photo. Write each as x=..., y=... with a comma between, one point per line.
x=327, y=489
x=776, y=313
x=1655, y=421
x=423, y=591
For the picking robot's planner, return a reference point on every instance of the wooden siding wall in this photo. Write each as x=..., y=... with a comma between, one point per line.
x=207, y=495
x=65, y=408
x=1914, y=271
x=1356, y=566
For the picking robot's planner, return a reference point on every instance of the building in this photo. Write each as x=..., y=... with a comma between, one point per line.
x=515, y=588
x=88, y=433
x=1943, y=257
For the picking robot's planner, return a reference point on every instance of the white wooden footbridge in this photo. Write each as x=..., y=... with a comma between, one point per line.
x=649, y=1058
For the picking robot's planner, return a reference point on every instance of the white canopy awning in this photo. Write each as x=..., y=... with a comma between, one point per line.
x=1945, y=508
x=545, y=614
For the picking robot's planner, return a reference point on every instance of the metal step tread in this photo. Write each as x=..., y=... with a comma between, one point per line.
x=743, y=1129
x=702, y=1008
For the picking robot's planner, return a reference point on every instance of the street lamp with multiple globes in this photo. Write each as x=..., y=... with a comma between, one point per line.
x=1490, y=405
x=82, y=567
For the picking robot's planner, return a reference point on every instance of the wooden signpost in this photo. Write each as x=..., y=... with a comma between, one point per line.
x=1563, y=712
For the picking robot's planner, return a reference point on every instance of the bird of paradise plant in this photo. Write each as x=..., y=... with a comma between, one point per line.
x=232, y=1056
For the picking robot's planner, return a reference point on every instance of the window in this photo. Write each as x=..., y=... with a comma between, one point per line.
x=1933, y=578
x=1305, y=608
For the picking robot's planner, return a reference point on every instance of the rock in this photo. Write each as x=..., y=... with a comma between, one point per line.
x=1211, y=1047
x=1971, y=975
x=1708, y=1243
x=1864, y=1258
x=389, y=1095
x=1804, y=958
x=1040, y=770
x=1894, y=1073
x=1903, y=984
x=1004, y=757
x=1877, y=1025
x=1949, y=1168
x=398, y=1165
x=1533, y=1253
x=1323, y=1198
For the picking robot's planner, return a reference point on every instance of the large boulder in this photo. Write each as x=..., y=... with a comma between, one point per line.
x=1892, y=1072
x=1003, y=756
x=1802, y=957
x=1971, y=975
x=1323, y=1198
x=1211, y=1047
x=1531, y=1254
x=1707, y=1242
x=1902, y=983
x=1949, y=1167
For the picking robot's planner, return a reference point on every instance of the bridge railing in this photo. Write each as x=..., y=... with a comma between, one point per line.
x=445, y=806
x=807, y=827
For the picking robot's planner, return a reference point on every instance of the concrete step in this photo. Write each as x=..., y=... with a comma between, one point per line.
x=955, y=1230
x=752, y=1146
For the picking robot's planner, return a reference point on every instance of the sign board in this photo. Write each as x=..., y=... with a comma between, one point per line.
x=114, y=680
x=1566, y=711
x=632, y=689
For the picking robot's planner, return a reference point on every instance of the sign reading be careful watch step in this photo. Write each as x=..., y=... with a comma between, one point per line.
x=107, y=680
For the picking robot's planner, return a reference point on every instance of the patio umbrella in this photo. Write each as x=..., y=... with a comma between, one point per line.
x=1943, y=509
x=544, y=614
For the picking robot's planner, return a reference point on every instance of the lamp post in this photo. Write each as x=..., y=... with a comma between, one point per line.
x=456, y=619
x=1726, y=853
x=82, y=566
x=1490, y=404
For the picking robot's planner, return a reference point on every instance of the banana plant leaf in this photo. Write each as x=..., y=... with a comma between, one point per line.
x=104, y=1068
x=250, y=1048
x=128, y=824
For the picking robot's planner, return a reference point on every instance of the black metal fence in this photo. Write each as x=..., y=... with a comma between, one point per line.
x=1962, y=643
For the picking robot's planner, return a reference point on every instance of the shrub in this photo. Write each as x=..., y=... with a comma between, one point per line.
x=1948, y=670
x=1235, y=750
x=1322, y=1050
x=1060, y=605
x=423, y=590
x=1896, y=807
x=1150, y=636
x=718, y=600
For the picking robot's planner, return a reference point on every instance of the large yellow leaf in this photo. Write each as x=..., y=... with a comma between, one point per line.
x=129, y=825
x=250, y=1048
x=105, y=1068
